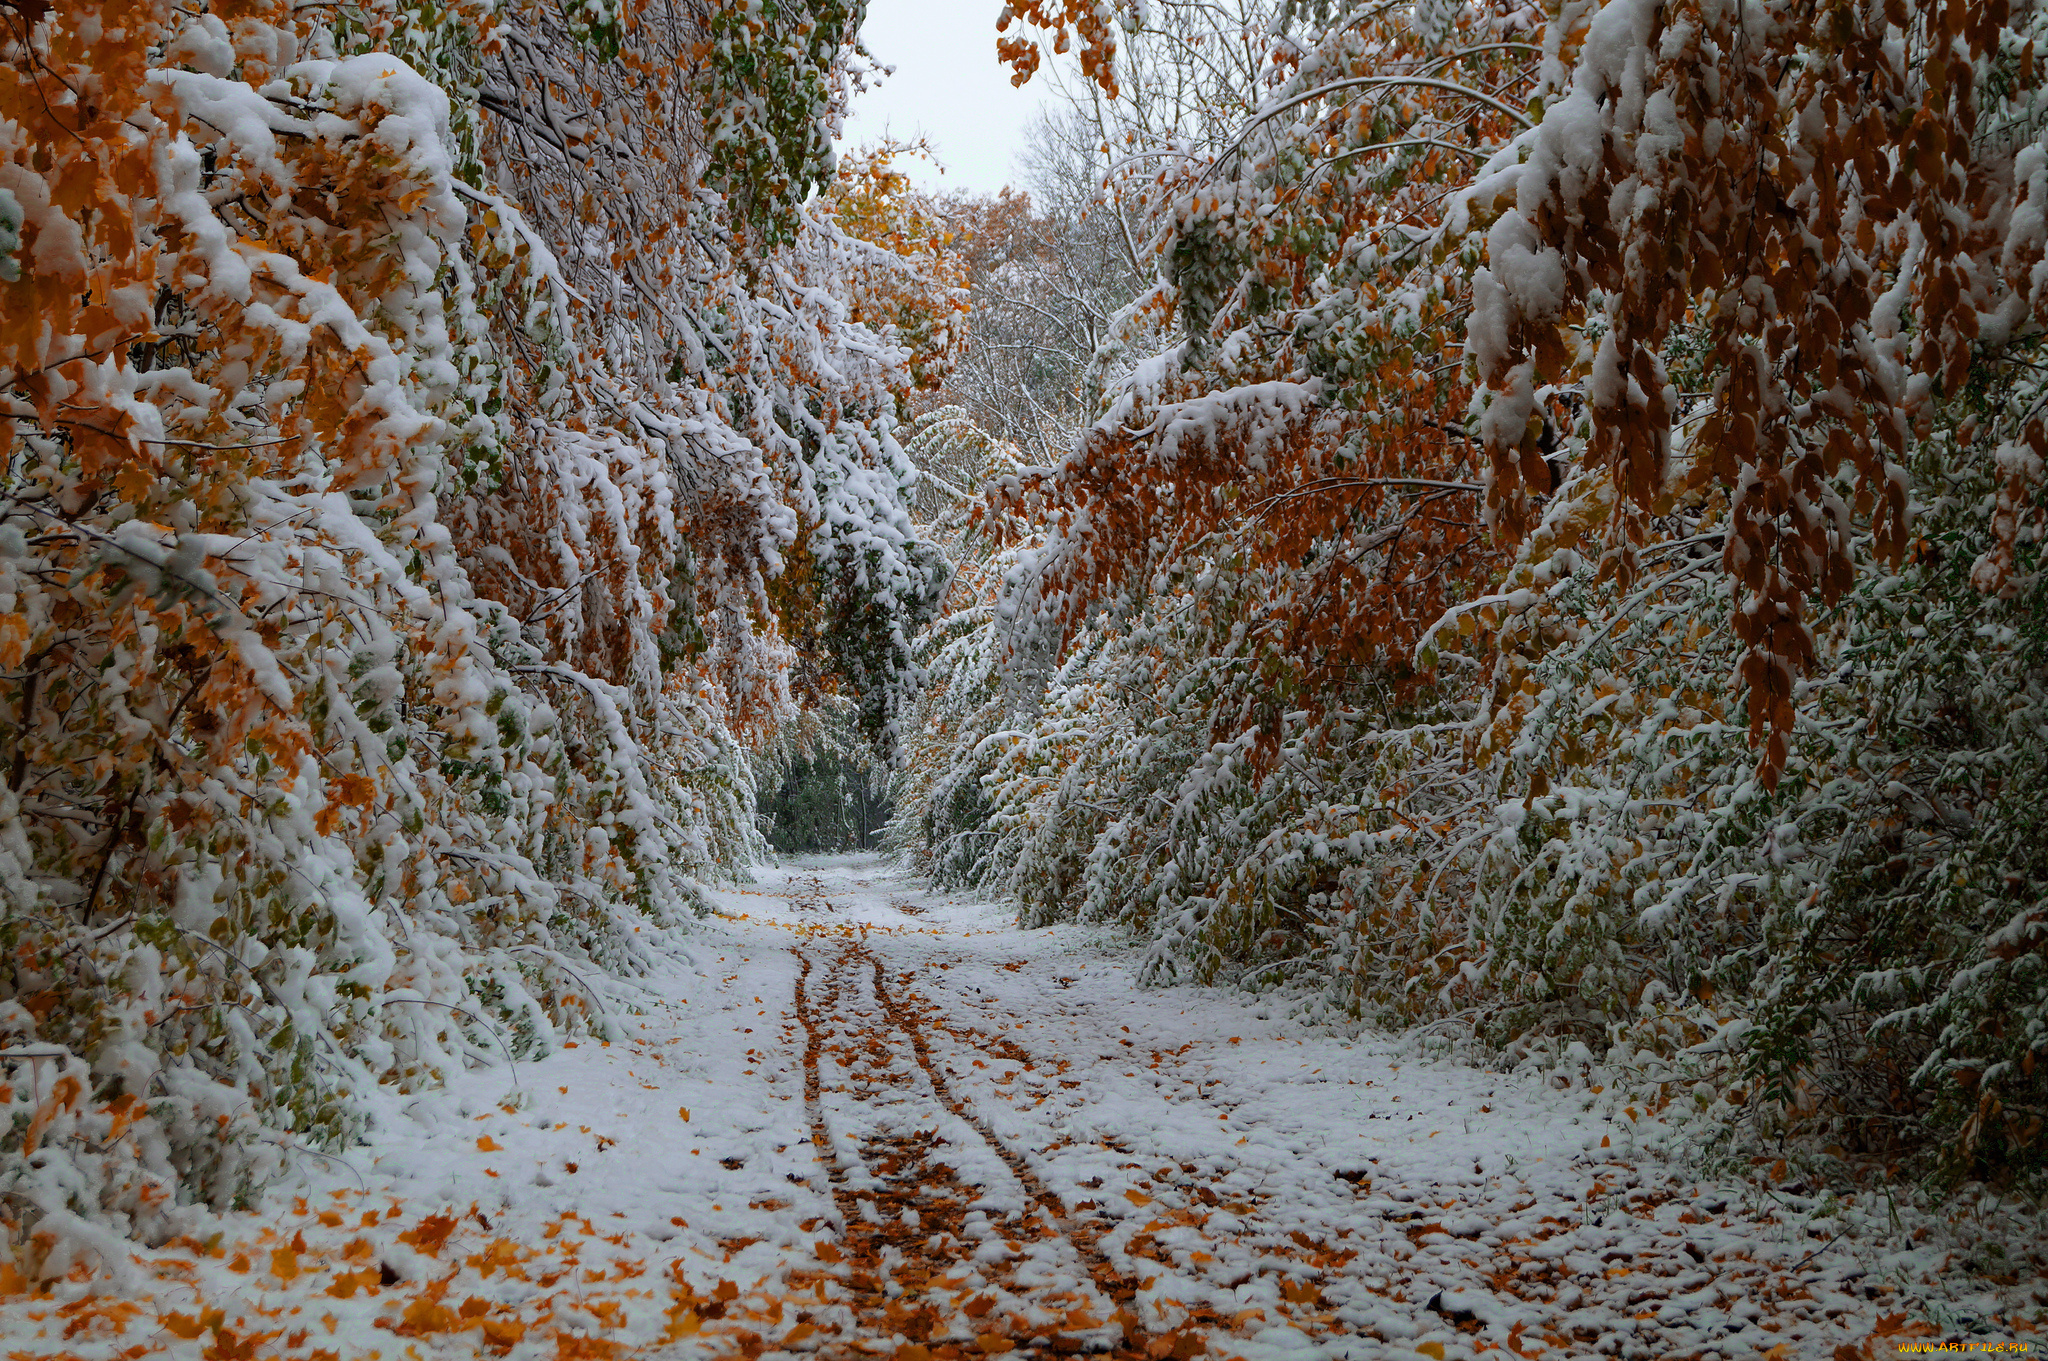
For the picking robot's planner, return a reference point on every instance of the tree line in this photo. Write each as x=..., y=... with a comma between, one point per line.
x=1536, y=533
x=447, y=447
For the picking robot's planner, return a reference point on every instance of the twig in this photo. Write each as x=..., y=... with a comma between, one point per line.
x=472, y=1017
x=1822, y=1248
x=300, y=1148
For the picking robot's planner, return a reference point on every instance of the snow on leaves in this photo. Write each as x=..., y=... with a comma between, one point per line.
x=384, y=563
x=1624, y=634
x=1806, y=198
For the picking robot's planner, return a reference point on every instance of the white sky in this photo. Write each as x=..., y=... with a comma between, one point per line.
x=948, y=88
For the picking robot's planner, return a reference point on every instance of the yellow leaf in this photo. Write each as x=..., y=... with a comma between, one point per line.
x=686, y=1114
x=1137, y=1198
x=994, y=1344
x=284, y=1264
x=1435, y=1349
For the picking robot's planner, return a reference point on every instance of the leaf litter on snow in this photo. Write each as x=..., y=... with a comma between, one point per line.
x=1007, y=1144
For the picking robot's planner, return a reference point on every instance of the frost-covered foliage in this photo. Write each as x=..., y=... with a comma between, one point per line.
x=1573, y=567
x=414, y=413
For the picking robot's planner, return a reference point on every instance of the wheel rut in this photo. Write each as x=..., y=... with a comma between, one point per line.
x=936, y=1254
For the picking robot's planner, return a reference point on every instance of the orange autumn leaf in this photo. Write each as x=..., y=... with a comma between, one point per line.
x=14, y=636
x=355, y=790
x=424, y=1316
x=503, y=1332
x=430, y=1234
x=183, y=1325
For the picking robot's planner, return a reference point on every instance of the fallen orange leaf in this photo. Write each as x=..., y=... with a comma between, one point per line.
x=432, y=1232
x=503, y=1332
x=430, y=1316
x=345, y=1285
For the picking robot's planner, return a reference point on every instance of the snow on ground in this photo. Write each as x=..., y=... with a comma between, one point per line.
x=856, y=1116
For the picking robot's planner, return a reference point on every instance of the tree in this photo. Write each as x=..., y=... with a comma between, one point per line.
x=422, y=422
x=1560, y=553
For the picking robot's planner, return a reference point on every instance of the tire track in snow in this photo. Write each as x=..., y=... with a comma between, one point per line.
x=1027, y=1298
x=1290, y=1227
x=1119, y=1286
x=907, y=1216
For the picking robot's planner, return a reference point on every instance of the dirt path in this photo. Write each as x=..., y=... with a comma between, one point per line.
x=908, y=1219
x=852, y=1117
x=1011, y=1170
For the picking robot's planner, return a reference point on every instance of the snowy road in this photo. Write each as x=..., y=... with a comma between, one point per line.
x=877, y=1120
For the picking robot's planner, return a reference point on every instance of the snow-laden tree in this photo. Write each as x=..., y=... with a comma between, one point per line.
x=428, y=428
x=1572, y=559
